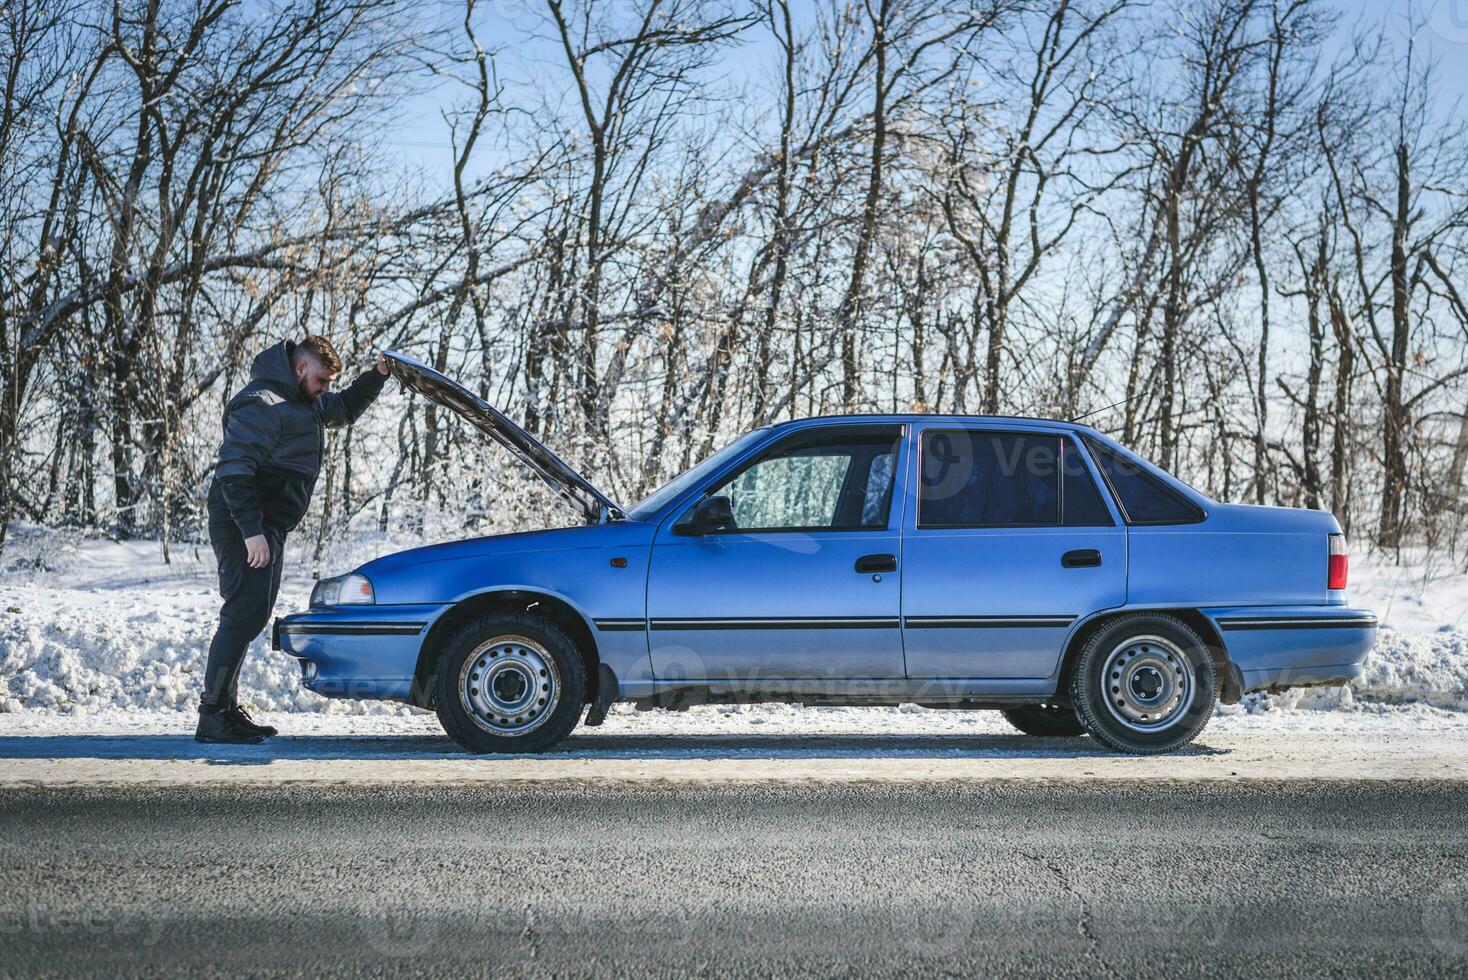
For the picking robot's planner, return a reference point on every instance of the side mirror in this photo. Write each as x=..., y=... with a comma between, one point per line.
x=709, y=514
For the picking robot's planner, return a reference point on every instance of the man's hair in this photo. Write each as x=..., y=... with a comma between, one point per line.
x=320, y=350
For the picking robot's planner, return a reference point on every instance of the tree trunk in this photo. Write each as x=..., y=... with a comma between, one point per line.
x=1394, y=411
x=848, y=312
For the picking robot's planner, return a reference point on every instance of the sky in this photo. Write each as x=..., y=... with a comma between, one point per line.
x=1444, y=36
x=419, y=138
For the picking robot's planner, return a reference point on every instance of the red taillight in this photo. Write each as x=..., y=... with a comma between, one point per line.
x=1335, y=573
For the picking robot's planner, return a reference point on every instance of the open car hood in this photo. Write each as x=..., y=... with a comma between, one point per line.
x=594, y=505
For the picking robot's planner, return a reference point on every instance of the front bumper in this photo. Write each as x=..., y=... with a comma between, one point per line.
x=1277, y=647
x=363, y=652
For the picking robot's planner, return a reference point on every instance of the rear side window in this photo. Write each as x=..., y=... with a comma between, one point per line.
x=1144, y=499
x=1004, y=479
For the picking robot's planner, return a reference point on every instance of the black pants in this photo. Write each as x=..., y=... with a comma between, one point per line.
x=249, y=597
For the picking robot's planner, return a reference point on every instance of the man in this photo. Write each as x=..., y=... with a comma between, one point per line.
x=266, y=470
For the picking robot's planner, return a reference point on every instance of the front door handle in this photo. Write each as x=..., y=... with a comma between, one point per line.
x=1084, y=558
x=876, y=563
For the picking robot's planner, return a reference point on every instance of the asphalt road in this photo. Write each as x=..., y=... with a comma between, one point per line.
x=1115, y=879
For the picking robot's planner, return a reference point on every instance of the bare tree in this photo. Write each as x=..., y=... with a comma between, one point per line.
x=1400, y=205
x=648, y=65
x=643, y=242
x=913, y=48
x=1011, y=208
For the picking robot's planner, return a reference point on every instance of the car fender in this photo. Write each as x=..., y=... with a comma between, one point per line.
x=1085, y=626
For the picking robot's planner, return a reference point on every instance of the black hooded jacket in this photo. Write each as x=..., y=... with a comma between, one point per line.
x=271, y=453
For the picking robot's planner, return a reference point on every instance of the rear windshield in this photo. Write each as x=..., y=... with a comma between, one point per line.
x=1144, y=499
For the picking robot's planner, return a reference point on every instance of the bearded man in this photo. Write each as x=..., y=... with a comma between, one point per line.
x=267, y=467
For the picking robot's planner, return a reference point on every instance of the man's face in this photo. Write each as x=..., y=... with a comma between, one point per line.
x=314, y=378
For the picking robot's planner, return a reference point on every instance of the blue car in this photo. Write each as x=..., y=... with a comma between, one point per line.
x=1029, y=566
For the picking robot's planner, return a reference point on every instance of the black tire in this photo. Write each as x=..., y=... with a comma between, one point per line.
x=1138, y=663
x=1045, y=720
x=533, y=690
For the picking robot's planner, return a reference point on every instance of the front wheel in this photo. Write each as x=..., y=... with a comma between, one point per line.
x=1144, y=684
x=512, y=682
x=1045, y=720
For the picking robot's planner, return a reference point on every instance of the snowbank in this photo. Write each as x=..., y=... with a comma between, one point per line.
x=61, y=654
x=67, y=651
x=90, y=627
x=1405, y=668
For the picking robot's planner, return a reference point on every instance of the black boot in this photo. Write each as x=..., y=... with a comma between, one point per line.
x=245, y=721
x=221, y=725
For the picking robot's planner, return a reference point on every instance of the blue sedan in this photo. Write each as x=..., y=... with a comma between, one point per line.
x=1029, y=566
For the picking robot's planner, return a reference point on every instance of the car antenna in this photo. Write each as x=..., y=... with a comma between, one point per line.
x=1107, y=408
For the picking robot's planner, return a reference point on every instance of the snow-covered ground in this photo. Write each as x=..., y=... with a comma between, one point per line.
x=105, y=637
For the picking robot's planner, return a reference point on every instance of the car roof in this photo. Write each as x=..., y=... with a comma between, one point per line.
x=915, y=417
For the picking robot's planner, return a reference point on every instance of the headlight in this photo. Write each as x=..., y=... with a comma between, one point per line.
x=344, y=590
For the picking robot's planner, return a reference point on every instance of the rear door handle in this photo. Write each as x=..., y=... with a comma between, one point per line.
x=1083, y=558
x=876, y=563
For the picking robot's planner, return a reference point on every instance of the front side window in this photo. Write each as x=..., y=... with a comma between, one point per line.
x=972, y=478
x=820, y=480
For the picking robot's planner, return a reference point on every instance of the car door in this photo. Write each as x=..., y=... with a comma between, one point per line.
x=1011, y=540
x=803, y=584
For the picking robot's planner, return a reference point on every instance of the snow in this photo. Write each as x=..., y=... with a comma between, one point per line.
x=94, y=626
x=106, y=637
x=1419, y=594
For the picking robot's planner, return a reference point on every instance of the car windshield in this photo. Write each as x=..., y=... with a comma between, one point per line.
x=648, y=505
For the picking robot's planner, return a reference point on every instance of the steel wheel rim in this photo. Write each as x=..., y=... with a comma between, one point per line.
x=509, y=685
x=1148, y=683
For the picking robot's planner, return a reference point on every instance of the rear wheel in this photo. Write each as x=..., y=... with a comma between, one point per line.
x=1045, y=720
x=511, y=682
x=1144, y=684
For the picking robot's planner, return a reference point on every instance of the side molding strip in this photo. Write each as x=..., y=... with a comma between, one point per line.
x=1299, y=623
x=353, y=629
x=842, y=622
x=795, y=623
x=987, y=622
x=621, y=625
